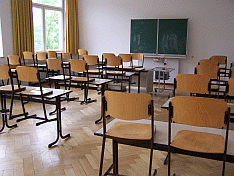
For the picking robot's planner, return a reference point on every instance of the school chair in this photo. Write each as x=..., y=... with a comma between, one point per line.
x=131, y=107
x=79, y=77
x=193, y=84
x=200, y=112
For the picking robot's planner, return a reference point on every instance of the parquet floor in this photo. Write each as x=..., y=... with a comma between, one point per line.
x=24, y=151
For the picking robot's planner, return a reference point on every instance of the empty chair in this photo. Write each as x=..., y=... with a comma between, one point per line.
x=41, y=61
x=222, y=62
x=127, y=61
x=192, y=83
x=106, y=55
x=28, y=58
x=65, y=57
x=114, y=68
x=132, y=107
x=31, y=75
x=13, y=61
x=201, y=112
x=137, y=60
x=229, y=96
x=207, y=61
x=6, y=89
x=231, y=72
x=212, y=72
x=52, y=54
x=93, y=61
x=54, y=69
x=80, y=76
x=82, y=52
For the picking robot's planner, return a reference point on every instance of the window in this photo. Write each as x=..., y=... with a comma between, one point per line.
x=1, y=47
x=48, y=23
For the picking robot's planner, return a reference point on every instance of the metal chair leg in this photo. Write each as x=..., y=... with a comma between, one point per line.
x=151, y=158
x=102, y=156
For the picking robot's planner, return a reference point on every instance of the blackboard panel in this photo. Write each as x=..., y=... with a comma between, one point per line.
x=143, y=36
x=172, y=36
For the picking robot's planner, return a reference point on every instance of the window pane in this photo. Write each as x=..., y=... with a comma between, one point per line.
x=38, y=29
x=56, y=3
x=54, y=29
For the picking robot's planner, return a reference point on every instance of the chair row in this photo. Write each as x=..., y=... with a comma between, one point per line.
x=129, y=108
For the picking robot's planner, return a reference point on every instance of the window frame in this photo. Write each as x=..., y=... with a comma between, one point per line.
x=44, y=7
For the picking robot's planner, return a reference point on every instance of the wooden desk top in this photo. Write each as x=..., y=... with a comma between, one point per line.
x=49, y=93
x=161, y=136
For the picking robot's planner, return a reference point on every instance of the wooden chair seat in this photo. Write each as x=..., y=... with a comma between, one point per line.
x=115, y=72
x=29, y=65
x=95, y=71
x=8, y=88
x=59, y=77
x=41, y=65
x=128, y=130
x=198, y=141
x=82, y=79
x=137, y=66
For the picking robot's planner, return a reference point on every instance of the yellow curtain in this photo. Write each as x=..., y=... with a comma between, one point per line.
x=22, y=26
x=71, y=26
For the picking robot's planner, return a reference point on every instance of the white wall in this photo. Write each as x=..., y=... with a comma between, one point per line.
x=104, y=25
x=7, y=38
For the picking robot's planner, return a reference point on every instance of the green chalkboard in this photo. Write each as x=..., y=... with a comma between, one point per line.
x=159, y=36
x=172, y=36
x=143, y=36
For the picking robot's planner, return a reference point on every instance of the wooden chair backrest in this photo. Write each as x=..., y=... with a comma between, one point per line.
x=41, y=55
x=28, y=55
x=107, y=55
x=232, y=72
x=52, y=54
x=4, y=72
x=91, y=59
x=54, y=64
x=13, y=59
x=208, y=61
x=231, y=87
x=127, y=106
x=126, y=57
x=210, y=71
x=77, y=65
x=199, y=111
x=192, y=83
x=27, y=74
x=220, y=59
x=66, y=55
x=114, y=61
x=137, y=56
x=82, y=52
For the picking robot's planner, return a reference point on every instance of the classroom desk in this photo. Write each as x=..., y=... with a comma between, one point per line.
x=129, y=73
x=162, y=74
x=53, y=98
x=161, y=139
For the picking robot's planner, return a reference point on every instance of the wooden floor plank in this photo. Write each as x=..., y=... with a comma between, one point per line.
x=24, y=151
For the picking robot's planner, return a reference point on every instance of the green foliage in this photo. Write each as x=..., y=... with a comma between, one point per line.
x=52, y=29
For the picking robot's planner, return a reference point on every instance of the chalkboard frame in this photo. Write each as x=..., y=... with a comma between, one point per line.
x=175, y=31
